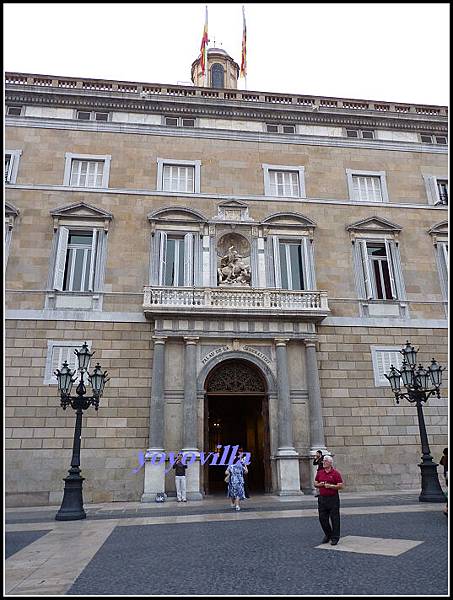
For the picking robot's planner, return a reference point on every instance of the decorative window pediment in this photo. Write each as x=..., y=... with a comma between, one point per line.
x=373, y=225
x=289, y=220
x=81, y=214
x=439, y=232
x=11, y=212
x=176, y=214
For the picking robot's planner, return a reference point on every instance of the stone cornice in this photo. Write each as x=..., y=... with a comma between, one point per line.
x=223, y=134
x=200, y=106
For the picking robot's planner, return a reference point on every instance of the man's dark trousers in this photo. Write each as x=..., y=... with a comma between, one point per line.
x=329, y=510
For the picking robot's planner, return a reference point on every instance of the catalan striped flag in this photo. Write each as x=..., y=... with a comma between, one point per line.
x=204, y=46
x=243, y=72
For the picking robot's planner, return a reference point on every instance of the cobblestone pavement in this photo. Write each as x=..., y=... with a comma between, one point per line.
x=391, y=544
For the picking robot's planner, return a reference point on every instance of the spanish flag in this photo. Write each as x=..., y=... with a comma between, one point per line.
x=204, y=46
x=243, y=72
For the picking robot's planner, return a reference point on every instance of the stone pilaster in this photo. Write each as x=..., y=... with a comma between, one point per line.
x=287, y=457
x=190, y=412
x=154, y=467
x=317, y=439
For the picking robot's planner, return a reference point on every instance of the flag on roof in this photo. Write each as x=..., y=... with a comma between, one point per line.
x=243, y=72
x=204, y=46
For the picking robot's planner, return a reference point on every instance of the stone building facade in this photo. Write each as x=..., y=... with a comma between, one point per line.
x=245, y=265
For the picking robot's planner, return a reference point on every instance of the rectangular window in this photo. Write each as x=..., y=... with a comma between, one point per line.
x=57, y=353
x=78, y=262
x=174, y=262
x=289, y=129
x=8, y=165
x=442, y=191
x=83, y=115
x=291, y=266
x=366, y=189
x=188, y=122
x=380, y=274
x=441, y=139
x=284, y=183
x=383, y=359
x=379, y=262
x=14, y=111
x=271, y=128
x=101, y=116
x=178, y=178
x=352, y=133
x=367, y=134
x=426, y=139
x=86, y=173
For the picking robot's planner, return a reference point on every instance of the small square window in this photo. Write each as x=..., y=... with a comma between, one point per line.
x=14, y=111
x=272, y=128
x=172, y=121
x=441, y=139
x=288, y=129
x=426, y=139
x=100, y=116
x=367, y=134
x=83, y=115
x=352, y=133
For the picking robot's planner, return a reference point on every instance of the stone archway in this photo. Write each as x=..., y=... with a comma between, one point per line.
x=237, y=413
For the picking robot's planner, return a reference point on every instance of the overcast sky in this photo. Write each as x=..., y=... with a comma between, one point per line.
x=369, y=51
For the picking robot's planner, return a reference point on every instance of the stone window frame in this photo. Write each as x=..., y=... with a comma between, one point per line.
x=70, y=156
x=432, y=190
x=360, y=133
x=299, y=169
x=11, y=176
x=394, y=352
x=350, y=173
x=162, y=162
x=180, y=121
x=11, y=214
x=439, y=236
x=21, y=107
x=49, y=377
x=280, y=128
x=92, y=114
x=433, y=139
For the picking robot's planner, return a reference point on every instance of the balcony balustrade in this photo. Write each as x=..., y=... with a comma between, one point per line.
x=234, y=301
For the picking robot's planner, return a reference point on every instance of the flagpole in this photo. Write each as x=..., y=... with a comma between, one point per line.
x=244, y=49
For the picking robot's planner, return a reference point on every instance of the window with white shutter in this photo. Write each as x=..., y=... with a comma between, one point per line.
x=176, y=259
x=86, y=170
x=87, y=173
x=367, y=186
x=177, y=178
x=383, y=358
x=283, y=181
x=380, y=270
x=11, y=165
x=293, y=263
x=57, y=353
x=75, y=260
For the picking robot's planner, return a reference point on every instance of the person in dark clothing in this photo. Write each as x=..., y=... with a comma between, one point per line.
x=318, y=460
x=328, y=480
x=180, y=479
x=444, y=462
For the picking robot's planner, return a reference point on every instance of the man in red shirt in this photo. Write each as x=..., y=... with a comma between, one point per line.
x=328, y=480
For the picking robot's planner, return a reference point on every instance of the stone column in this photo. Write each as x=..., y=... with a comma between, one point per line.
x=190, y=420
x=154, y=463
x=287, y=457
x=317, y=440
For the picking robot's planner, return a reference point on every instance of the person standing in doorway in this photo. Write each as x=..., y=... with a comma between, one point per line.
x=180, y=479
x=242, y=458
x=329, y=481
x=235, y=491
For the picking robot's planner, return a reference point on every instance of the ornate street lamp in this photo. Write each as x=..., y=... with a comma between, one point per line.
x=420, y=384
x=71, y=508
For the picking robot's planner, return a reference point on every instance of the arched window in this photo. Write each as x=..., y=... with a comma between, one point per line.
x=217, y=76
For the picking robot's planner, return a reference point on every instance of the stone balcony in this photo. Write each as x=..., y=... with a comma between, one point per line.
x=235, y=301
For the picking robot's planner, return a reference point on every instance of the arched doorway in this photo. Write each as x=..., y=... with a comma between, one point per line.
x=237, y=413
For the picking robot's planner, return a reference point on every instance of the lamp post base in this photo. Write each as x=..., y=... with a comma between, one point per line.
x=431, y=490
x=71, y=508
